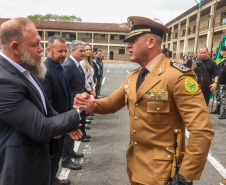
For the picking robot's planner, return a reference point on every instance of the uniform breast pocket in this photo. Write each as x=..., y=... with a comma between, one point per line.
x=158, y=112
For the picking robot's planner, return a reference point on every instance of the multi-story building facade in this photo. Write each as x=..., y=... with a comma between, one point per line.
x=107, y=37
x=195, y=28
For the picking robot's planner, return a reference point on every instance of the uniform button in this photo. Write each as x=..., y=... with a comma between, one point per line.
x=136, y=104
x=135, y=118
x=168, y=156
x=134, y=131
x=158, y=109
x=135, y=143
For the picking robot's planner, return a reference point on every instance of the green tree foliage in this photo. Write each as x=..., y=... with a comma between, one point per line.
x=55, y=17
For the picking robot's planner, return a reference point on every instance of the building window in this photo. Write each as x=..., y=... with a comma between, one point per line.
x=64, y=34
x=103, y=36
x=223, y=22
x=40, y=33
x=176, y=35
x=194, y=29
x=72, y=36
x=95, y=35
x=50, y=34
x=189, y=30
x=183, y=33
x=112, y=37
x=169, y=36
x=164, y=38
x=122, y=37
x=121, y=51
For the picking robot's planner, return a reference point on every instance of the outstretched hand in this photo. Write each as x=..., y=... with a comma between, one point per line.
x=76, y=135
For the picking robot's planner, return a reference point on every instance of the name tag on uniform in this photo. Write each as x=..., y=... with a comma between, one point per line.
x=157, y=95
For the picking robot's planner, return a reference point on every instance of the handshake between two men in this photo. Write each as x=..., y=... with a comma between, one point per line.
x=84, y=101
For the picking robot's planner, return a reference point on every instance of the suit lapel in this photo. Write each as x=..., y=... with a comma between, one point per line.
x=78, y=71
x=152, y=79
x=54, y=70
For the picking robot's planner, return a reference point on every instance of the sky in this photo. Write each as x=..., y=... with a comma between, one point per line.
x=101, y=11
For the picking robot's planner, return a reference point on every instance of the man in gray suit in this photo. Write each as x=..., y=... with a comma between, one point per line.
x=27, y=121
x=76, y=81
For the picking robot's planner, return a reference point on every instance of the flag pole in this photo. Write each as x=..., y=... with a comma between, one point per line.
x=214, y=19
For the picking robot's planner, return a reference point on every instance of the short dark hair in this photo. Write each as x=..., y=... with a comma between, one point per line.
x=53, y=38
x=204, y=47
x=164, y=50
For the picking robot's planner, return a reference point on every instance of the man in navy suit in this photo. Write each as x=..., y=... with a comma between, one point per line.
x=76, y=81
x=27, y=120
x=58, y=93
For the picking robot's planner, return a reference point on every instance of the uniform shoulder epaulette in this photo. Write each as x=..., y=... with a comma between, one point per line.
x=180, y=67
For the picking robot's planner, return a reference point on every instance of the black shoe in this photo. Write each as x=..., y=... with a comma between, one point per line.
x=77, y=155
x=72, y=166
x=217, y=110
x=88, y=121
x=84, y=140
x=223, y=115
x=87, y=128
x=62, y=182
x=88, y=136
x=89, y=118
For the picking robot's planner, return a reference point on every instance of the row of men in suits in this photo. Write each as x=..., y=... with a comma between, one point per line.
x=28, y=122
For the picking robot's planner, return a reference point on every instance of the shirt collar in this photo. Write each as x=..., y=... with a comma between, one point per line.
x=153, y=62
x=76, y=62
x=19, y=67
x=57, y=65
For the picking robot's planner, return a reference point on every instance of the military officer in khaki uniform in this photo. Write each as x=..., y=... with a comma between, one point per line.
x=161, y=96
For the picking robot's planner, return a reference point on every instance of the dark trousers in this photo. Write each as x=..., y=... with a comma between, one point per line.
x=68, y=149
x=56, y=148
x=98, y=85
x=206, y=93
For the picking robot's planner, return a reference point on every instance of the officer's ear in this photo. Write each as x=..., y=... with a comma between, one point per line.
x=151, y=41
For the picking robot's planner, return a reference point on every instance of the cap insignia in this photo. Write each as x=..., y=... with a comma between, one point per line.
x=130, y=24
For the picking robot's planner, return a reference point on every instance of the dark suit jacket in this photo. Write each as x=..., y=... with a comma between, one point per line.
x=25, y=129
x=76, y=80
x=54, y=88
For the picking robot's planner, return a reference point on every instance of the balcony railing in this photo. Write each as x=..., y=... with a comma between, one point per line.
x=117, y=41
x=100, y=41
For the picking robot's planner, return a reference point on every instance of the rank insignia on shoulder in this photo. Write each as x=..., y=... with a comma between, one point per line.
x=126, y=87
x=191, y=85
x=180, y=67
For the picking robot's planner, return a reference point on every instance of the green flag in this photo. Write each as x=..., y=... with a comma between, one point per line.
x=200, y=4
x=218, y=55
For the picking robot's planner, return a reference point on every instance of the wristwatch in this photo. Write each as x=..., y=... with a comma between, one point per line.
x=82, y=113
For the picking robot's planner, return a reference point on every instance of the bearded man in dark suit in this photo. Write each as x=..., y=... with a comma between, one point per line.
x=27, y=120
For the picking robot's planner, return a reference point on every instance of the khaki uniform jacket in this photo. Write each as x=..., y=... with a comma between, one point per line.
x=152, y=124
